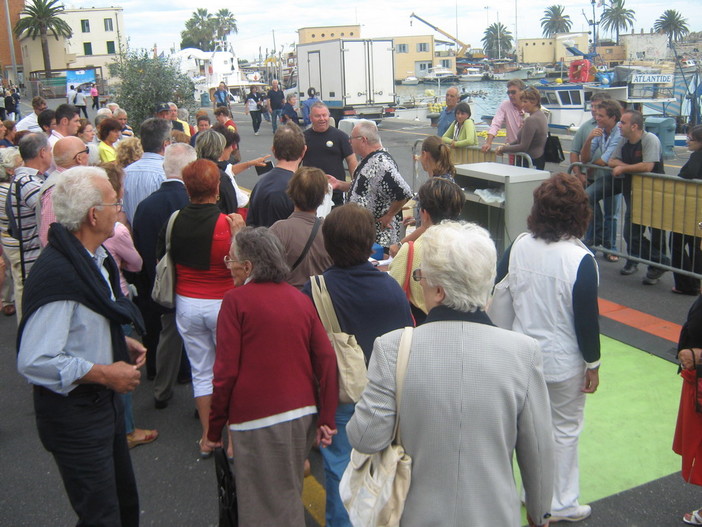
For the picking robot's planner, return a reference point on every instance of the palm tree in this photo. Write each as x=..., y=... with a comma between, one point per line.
x=39, y=19
x=617, y=18
x=497, y=40
x=199, y=31
x=673, y=24
x=554, y=21
x=224, y=23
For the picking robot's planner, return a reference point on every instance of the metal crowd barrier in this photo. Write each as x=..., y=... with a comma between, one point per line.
x=662, y=225
x=463, y=156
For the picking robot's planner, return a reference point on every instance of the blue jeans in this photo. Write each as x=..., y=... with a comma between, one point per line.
x=276, y=115
x=336, y=458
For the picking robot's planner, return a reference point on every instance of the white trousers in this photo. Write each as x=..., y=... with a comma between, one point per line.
x=196, y=319
x=567, y=414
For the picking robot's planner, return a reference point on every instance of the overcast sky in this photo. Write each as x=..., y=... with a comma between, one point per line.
x=159, y=22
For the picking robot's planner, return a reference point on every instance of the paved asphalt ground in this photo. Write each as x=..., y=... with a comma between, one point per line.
x=178, y=489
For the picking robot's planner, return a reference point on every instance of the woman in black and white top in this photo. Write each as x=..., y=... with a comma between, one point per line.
x=253, y=108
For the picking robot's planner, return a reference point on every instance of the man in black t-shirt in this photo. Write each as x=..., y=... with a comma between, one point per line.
x=328, y=147
x=276, y=99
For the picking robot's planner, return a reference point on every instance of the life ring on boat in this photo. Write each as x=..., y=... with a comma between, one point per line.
x=256, y=77
x=579, y=70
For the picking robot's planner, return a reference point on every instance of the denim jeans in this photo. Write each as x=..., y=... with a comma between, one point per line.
x=336, y=458
x=276, y=115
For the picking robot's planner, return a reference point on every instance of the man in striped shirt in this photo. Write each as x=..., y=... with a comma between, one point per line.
x=36, y=154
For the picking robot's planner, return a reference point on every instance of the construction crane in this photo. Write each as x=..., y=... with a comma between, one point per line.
x=463, y=47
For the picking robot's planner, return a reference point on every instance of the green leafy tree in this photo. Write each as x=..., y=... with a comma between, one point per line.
x=145, y=81
x=616, y=18
x=672, y=23
x=554, y=21
x=497, y=40
x=41, y=19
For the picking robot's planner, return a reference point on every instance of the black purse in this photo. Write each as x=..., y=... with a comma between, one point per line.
x=226, y=490
x=553, y=152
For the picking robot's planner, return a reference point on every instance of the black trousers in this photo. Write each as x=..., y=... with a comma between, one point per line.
x=85, y=433
x=256, y=119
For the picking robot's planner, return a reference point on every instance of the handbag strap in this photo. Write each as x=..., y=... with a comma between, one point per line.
x=403, y=354
x=317, y=223
x=169, y=229
x=323, y=303
x=408, y=270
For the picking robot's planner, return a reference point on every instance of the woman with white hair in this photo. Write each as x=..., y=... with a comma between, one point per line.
x=473, y=394
x=9, y=160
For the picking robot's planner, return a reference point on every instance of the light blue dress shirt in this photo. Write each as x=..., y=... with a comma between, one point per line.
x=141, y=179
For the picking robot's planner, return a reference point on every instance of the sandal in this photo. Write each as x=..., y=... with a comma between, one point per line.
x=693, y=518
x=204, y=454
x=141, y=437
x=611, y=257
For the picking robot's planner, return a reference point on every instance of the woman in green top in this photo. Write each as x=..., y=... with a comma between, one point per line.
x=461, y=133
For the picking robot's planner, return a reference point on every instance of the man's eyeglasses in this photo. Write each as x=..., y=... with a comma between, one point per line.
x=355, y=137
x=86, y=151
x=119, y=204
x=512, y=92
x=417, y=275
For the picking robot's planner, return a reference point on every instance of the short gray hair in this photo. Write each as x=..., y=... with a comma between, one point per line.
x=210, y=145
x=183, y=114
x=118, y=112
x=461, y=258
x=265, y=252
x=104, y=111
x=369, y=130
x=175, y=158
x=10, y=159
x=75, y=194
x=32, y=144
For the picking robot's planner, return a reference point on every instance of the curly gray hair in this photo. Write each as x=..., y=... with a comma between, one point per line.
x=10, y=159
x=75, y=194
x=264, y=251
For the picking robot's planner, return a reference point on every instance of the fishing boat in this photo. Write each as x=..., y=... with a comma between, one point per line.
x=440, y=74
x=471, y=75
x=410, y=80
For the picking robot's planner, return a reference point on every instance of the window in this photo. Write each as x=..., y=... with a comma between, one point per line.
x=402, y=48
x=87, y=48
x=85, y=26
x=445, y=63
x=422, y=47
x=108, y=24
x=110, y=47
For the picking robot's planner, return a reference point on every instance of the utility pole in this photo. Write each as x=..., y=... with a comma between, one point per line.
x=11, y=43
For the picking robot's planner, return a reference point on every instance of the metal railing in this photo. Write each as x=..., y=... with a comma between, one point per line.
x=647, y=218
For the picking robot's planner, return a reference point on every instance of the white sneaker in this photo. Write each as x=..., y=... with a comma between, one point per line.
x=572, y=514
x=255, y=133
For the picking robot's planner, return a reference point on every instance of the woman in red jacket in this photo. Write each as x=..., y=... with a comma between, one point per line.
x=275, y=381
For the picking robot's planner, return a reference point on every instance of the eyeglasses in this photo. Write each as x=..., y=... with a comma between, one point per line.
x=229, y=262
x=86, y=151
x=119, y=204
x=417, y=274
x=355, y=137
x=512, y=92
x=692, y=140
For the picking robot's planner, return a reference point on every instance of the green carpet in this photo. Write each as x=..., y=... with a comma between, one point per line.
x=629, y=423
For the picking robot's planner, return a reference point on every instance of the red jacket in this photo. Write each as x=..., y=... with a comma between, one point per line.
x=273, y=356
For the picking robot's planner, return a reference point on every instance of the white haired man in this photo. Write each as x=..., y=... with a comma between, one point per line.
x=377, y=183
x=73, y=350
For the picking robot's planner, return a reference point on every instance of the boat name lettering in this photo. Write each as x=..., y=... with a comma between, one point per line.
x=647, y=78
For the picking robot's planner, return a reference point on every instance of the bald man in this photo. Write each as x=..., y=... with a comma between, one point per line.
x=69, y=152
x=448, y=114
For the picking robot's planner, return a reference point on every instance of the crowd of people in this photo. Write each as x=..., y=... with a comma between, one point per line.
x=93, y=207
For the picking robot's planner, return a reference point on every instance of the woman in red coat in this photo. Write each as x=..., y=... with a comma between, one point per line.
x=275, y=381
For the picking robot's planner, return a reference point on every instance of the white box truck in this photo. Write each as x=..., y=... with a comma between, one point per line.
x=354, y=78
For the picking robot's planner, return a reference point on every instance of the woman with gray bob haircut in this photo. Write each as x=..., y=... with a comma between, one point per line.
x=469, y=387
x=457, y=246
x=275, y=381
x=76, y=194
x=210, y=145
x=264, y=251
